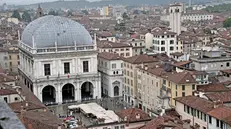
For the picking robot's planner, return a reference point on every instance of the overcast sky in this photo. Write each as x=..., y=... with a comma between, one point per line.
x=26, y=1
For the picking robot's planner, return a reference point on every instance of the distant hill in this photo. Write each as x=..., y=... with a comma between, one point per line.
x=87, y=4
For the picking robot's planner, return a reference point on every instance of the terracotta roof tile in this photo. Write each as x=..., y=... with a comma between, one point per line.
x=198, y=103
x=139, y=59
x=214, y=87
x=109, y=56
x=7, y=90
x=17, y=106
x=224, y=97
x=220, y=113
x=108, y=44
x=179, y=78
x=132, y=113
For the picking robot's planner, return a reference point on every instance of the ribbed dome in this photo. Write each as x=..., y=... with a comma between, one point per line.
x=49, y=30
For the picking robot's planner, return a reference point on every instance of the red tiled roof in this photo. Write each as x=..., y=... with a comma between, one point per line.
x=109, y=56
x=179, y=78
x=164, y=121
x=182, y=63
x=220, y=113
x=17, y=106
x=198, y=103
x=131, y=114
x=108, y=44
x=139, y=59
x=224, y=97
x=226, y=71
x=212, y=87
x=7, y=90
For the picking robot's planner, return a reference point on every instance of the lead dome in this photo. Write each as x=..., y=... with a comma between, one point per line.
x=49, y=30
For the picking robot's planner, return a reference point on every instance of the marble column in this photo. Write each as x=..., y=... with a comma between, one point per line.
x=59, y=96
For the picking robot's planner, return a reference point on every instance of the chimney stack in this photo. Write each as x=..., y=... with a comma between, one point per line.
x=137, y=116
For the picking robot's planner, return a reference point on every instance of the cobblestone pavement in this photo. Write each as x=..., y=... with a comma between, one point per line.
x=115, y=104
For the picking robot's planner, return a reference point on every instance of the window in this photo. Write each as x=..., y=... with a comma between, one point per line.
x=122, y=127
x=5, y=58
x=10, y=63
x=16, y=99
x=85, y=66
x=5, y=99
x=205, y=117
x=117, y=127
x=176, y=87
x=218, y=123
x=171, y=48
x=227, y=64
x=192, y=111
x=193, y=87
x=47, y=69
x=164, y=82
x=18, y=57
x=10, y=57
x=198, y=115
x=162, y=42
x=221, y=124
x=210, y=119
x=183, y=87
x=171, y=41
x=183, y=94
x=204, y=127
x=18, y=63
x=176, y=93
x=121, y=65
x=162, y=48
x=105, y=128
x=188, y=111
x=66, y=68
x=113, y=66
x=127, y=54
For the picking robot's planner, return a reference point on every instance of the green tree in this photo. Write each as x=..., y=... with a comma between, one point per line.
x=52, y=12
x=26, y=16
x=227, y=23
x=125, y=16
x=16, y=14
x=85, y=12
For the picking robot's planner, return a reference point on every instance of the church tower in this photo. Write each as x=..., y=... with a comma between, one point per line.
x=175, y=16
x=39, y=12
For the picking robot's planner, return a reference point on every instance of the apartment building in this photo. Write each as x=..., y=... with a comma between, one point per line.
x=111, y=67
x=180, y=84
x=4, y=58
x=211, y=61
x=138, y=46
x=148, y=88
x=13, y=59
x=202, y=112
x=130, y=76
x=165, y=41
x=123, y=49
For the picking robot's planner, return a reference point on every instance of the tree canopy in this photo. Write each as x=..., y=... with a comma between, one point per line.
x=85, y=12
x=16, y=14
x=227, y=23
x=52, y=12
x=26, y=17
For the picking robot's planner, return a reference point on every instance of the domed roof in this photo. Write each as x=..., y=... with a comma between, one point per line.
x=49, y=30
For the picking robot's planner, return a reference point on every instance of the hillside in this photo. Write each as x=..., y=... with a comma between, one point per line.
x=83, y=3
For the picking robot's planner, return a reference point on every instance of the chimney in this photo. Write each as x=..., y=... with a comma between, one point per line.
x=146, y=67
x=138, y=116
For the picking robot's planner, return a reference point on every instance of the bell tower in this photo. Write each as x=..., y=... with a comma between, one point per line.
x=39, y=12
x=175, y=16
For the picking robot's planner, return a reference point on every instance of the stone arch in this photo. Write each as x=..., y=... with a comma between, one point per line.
x=87, y=90
x=116, y=91
x=49, y=94
x=68, y=92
